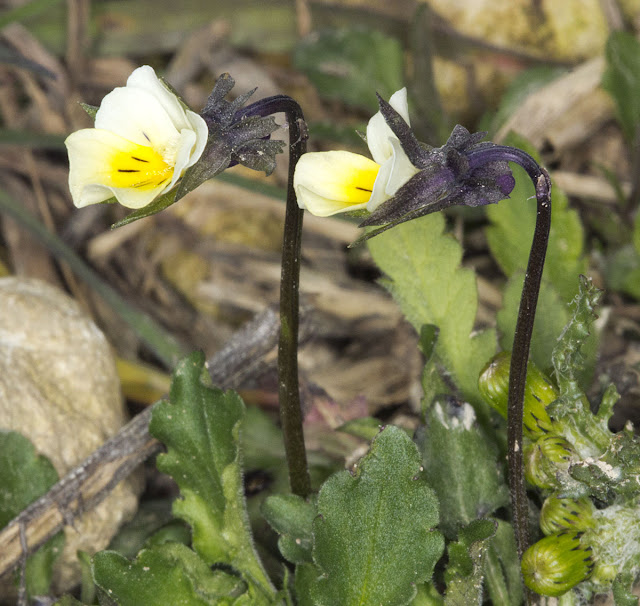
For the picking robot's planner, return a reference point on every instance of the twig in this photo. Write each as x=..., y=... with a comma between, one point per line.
x=90, y=482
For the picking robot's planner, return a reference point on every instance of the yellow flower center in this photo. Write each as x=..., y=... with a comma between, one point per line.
x=357, y=190
x=140, y=167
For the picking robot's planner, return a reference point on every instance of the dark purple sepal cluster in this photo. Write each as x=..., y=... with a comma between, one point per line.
x=237, y=135
x=464, y=171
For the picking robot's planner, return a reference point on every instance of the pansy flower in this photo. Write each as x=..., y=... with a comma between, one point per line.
x=327, y=183
x=143, y=141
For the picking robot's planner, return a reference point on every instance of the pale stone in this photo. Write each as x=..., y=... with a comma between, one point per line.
x=59, y=388
x=569, y=31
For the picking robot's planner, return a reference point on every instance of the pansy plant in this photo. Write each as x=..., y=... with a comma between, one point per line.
x=147, y=150
x=464, y=171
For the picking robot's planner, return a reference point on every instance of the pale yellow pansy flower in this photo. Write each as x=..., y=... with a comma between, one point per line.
x=143, y=141
x=327, y=183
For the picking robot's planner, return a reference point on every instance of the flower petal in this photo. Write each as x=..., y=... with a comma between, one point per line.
x=402, y=169
x=379, y=193
x=324, y=207
x=379, y=133
x=186, y=154
x=146, y=79
x=103, y=164
x=136, y=115
x=331, y=182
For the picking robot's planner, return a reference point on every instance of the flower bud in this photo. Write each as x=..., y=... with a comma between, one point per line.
x=542, y=461
x=493, y=384
x=560, y=514
x=555, y=564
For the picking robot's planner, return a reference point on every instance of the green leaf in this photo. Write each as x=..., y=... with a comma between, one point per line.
x=502, y=568
x=292, y=518
x=306, y=575
x=461, y=465
x=373, y=534
x=511, y=231
x=432, y=383
x=568, y=357
x=200, y=426
x=352, y=64
x=466, y=558
x=87, y=584
x=366, y=428
x=150, y=517
x=622, y=79
x=427, y=595
x=169, y=574
x=552, y=314
x=425, y=277
x=622, y=271
x=24, y=477
x=622, y=587
x=91, y=110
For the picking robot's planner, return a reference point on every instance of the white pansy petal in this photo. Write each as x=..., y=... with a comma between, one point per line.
x=136, y=198
x=343, y=180
x=138, y=116
x=379, y=194
x=184, y=155
x=145, y=78
x=323, y=207
x=101, y=161
x=91, y=194
x=90, y=152
x=379, y=133
x=401, y=169
x=199, y=126
x=399, y=102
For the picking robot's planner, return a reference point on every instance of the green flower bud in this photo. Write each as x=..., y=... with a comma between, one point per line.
x=556, y=563
x=543, y=460
x=560, y=514
x=493, y=384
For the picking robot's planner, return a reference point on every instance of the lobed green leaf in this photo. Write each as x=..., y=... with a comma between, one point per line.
x=461, y=465
x=292, y=518
x=374, y=537
x=464, y=574
x=25, y=476
x=169, y=574
x=424, y=276
x=200, y=426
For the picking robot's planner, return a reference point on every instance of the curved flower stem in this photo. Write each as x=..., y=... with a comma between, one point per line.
x=524, y=329
x=520, y=357
x=289, y=391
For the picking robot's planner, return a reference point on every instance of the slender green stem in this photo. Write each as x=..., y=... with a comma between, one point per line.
x=289, y=391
